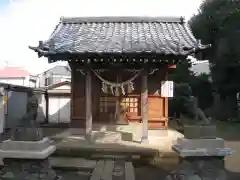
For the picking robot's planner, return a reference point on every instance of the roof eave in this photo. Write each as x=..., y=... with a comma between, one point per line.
x=182, y=53
x=40, y=51
x=200, y=48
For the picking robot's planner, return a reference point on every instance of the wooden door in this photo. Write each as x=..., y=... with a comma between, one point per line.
x=107, y=109
x=156, y=111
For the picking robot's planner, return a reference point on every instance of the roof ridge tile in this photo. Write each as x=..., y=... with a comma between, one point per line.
x=121, y=19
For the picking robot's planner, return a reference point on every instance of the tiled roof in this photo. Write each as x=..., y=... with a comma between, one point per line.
x=13, y=72
x=112, y=35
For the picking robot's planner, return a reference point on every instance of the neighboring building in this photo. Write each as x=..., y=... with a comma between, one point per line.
x=17, y=76
x=54, y=75
x=200, y=67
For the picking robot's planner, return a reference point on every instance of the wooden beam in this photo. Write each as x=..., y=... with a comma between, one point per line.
x=144, y=106
x=88, y=94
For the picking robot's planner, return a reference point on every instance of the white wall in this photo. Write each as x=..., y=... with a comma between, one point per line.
x=60, y=107
x=21, y=81
x=15, y=81
x=41, y=116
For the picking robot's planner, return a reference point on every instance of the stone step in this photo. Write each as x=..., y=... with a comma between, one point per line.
x=68, y=163
x=85, y=152
x=115, y=157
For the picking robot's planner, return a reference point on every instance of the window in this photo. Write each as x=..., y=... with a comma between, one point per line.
x=48, y=81
x=131, y=103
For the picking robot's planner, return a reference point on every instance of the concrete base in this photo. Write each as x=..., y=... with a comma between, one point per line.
x=200, y=143
x=200, y=132
x=221, y=152
x=26, y=145
x=27, y=149
x=201, y=159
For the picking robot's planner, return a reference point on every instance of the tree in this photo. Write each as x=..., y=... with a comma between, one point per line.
x=217, y=23
x=205, y=97
x=182, y=72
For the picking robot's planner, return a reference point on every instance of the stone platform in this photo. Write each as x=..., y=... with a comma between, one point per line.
x=27, y=160
x=27, y=149
x=201, y=153
x=201, y=147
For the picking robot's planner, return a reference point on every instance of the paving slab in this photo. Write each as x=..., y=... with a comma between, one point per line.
x=75, y=163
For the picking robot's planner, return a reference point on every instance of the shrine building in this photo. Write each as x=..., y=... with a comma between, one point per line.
x=120, y=66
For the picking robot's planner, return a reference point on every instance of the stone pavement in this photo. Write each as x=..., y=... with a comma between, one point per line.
x=120, y=138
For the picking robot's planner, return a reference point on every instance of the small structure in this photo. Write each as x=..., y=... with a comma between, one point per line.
x=119, y=62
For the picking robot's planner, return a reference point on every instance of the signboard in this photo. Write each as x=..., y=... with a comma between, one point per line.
x=167, y=88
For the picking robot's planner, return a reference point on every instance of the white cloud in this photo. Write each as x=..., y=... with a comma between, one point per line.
x=27, y=21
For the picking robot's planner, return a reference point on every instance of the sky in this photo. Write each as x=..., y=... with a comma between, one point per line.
x=25, y=22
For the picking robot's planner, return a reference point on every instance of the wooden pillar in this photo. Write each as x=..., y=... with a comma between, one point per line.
x=144, y=106
x=88, y=93
x=166, y=105
x=73, y=72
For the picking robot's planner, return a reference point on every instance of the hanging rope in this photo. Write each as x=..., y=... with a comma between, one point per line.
x=117, y=85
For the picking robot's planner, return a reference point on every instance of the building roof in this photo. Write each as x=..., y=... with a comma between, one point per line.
x=117, y=35
x=12, y=72
x=58, y=70
x=59, y=84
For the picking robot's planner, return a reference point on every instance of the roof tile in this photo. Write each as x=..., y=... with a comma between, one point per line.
x=165, y=36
